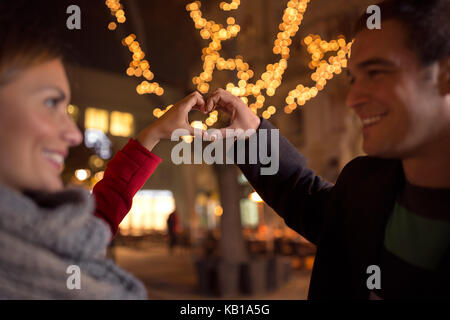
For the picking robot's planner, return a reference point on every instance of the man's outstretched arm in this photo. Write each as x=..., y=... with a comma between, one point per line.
x=293, y=191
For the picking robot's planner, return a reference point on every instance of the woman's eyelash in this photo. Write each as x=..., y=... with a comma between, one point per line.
x=52, y=102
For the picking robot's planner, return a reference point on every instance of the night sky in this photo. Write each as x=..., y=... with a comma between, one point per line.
x=171, y=41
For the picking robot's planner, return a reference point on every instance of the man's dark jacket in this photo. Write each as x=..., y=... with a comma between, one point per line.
x=346, y=221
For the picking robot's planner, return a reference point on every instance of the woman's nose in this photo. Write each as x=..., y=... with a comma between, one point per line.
x=71, y=134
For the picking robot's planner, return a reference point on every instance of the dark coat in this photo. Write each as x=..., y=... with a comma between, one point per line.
x=346, y=221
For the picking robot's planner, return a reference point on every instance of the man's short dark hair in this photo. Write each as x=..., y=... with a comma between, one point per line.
x=426, y=21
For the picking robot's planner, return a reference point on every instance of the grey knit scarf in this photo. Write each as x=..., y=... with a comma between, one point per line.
x=42, y=234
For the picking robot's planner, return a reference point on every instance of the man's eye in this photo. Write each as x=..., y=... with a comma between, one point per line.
x=351, y=80
x=373, y=73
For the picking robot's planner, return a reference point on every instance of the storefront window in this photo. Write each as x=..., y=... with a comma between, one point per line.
x=122, y=124
x=249, y=213
x=96, y=119
x=149, y=212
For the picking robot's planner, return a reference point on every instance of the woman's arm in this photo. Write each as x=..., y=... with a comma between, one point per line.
x=130, y=168
x=125, y=174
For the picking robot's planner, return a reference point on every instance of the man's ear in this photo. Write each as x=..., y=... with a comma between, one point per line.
x=444, y=76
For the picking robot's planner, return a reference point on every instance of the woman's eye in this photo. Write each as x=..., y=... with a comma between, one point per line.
x=51, y=102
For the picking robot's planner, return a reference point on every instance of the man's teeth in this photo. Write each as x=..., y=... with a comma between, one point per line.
x=372, y=120
x=55, y=157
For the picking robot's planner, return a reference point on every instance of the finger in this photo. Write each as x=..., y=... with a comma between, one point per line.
x=198, y=133
x=201, y=102
x=223, y=133
x=213, y=134
x=210, y=102
x=224, y=100
x=214, y=100
x=193, y=101
x=203, y=108
x=224, y=109
x=230, y=112
x=233, y=115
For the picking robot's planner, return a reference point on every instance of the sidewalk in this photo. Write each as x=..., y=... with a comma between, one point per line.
x=172, y=277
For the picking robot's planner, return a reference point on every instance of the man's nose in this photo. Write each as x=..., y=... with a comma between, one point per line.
x=71, y=134
x=357, y=96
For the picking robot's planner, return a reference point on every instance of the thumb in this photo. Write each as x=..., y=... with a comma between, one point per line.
x=223, y=133
x=198, y=133
x=193, y=101
x=233, y=132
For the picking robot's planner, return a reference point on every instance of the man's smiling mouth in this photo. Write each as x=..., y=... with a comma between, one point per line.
x=370, y=121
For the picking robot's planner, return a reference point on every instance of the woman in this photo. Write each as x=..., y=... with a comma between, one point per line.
x=44, y=228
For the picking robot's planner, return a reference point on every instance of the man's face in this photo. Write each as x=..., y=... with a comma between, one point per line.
x=396, y=98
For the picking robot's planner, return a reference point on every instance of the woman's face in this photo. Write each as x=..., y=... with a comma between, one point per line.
x=35, y=129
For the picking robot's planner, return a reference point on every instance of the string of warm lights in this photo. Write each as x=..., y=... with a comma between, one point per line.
x=210, y=55
x=158, y=113
x=323, y=70
x=271, y=79
x=117, y=11
x=138, y=67
x=230, y=6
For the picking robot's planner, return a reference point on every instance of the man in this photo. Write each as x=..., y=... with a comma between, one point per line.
x=383, y=230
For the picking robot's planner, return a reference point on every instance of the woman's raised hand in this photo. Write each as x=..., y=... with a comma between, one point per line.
x=175, y=118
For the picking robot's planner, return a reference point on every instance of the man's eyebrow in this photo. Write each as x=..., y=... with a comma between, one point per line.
x=375, y=62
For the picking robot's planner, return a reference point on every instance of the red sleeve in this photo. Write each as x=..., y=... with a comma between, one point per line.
x=125, y=174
